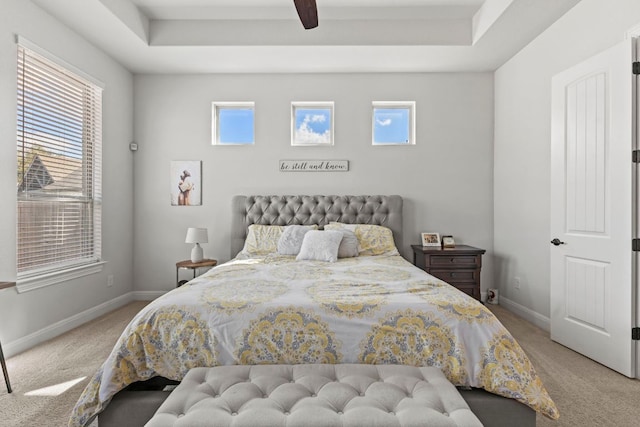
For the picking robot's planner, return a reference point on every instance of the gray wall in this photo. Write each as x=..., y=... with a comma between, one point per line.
x=24, y=316
x=457, y=180
x=446, y=179
x=522, y=142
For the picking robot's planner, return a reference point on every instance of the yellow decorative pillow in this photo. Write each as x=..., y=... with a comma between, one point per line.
x=372, y=239
x=262, y=239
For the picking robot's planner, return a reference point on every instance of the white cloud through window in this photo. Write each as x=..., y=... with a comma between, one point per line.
x=312, y=123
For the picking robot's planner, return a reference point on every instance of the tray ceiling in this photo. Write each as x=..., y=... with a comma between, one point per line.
x=226, y=36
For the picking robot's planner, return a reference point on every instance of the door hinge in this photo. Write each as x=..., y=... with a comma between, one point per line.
x=635, y=156
x=636, y=68
x=635, y=245
x=635, y=334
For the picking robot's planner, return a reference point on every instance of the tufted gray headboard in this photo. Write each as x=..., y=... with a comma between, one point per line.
x=308, y=210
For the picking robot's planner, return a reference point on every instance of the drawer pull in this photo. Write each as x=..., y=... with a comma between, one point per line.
x=452, y=274
x=452, y=260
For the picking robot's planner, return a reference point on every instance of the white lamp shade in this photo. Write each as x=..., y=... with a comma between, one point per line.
x=197, y=235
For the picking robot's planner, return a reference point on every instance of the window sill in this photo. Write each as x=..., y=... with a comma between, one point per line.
x=44, y=280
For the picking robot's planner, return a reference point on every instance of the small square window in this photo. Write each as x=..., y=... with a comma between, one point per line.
x=394, y=123
x=233, y=123
x=311, y=123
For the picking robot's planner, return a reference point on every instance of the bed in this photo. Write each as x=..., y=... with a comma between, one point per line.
x=263, y=307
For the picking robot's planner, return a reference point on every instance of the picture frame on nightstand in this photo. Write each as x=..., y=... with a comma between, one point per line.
x=430, y=239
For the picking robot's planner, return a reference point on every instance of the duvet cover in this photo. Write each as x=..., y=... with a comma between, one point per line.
x=274, y=309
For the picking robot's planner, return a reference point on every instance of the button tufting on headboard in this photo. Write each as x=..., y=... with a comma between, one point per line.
x=308, y=210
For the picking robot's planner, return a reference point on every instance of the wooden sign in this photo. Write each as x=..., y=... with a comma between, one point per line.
x=314, y=165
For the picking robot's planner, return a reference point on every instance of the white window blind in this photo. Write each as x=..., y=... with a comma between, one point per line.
x=59, y=147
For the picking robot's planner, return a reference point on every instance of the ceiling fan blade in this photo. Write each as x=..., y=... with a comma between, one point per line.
x=308, y=13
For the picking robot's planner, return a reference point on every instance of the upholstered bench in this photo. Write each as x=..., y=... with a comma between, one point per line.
x=314, y=396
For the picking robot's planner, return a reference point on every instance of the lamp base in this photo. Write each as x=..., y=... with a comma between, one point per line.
x=196, y=253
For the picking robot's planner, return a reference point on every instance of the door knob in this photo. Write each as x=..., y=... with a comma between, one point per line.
x=557, y=242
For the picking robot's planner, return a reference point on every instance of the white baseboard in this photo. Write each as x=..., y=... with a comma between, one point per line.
x=65, y=325
x=543, y=322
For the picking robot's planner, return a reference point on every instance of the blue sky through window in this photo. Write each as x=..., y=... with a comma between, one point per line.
x=391, y=125
x=312, y=126
x=236, y=125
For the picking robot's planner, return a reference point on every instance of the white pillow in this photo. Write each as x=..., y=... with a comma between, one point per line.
x=320, y=246
x=290, y=241
x=349, y=244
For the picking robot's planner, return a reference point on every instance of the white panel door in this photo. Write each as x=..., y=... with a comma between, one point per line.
x=592, y=208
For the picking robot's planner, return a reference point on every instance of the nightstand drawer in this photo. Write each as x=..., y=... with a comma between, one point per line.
x=467, y=261
x=458, y=266
x=455, y=276
x=469, y=288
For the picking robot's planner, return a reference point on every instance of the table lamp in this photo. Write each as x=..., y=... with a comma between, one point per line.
x=197, y=236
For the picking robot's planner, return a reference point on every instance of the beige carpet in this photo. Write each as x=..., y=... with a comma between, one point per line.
x=586, y=393
x=76, y=354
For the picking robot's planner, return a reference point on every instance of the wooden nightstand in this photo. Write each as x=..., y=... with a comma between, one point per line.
x=193, y=266
x=459, y=266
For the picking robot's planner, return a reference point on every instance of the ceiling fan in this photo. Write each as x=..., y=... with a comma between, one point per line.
x=308, y=13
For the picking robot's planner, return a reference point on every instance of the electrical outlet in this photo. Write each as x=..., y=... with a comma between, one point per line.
x=109, y=280
x=516, y=283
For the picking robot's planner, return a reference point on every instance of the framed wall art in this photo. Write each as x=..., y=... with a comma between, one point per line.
x=186, y=183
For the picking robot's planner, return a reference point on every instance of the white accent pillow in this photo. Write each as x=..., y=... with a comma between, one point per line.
x=290, y=241
x=349, y=244
x=320, y=246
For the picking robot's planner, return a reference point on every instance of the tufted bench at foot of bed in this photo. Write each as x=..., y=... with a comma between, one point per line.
x=137, y=404
x=315, y=396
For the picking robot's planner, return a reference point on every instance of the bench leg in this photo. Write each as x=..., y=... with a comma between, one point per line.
x=4, y=370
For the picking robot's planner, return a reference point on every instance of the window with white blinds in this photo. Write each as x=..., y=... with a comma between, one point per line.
x=59, y=144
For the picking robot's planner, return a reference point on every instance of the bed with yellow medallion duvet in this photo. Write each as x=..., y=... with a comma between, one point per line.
x=263, y=307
